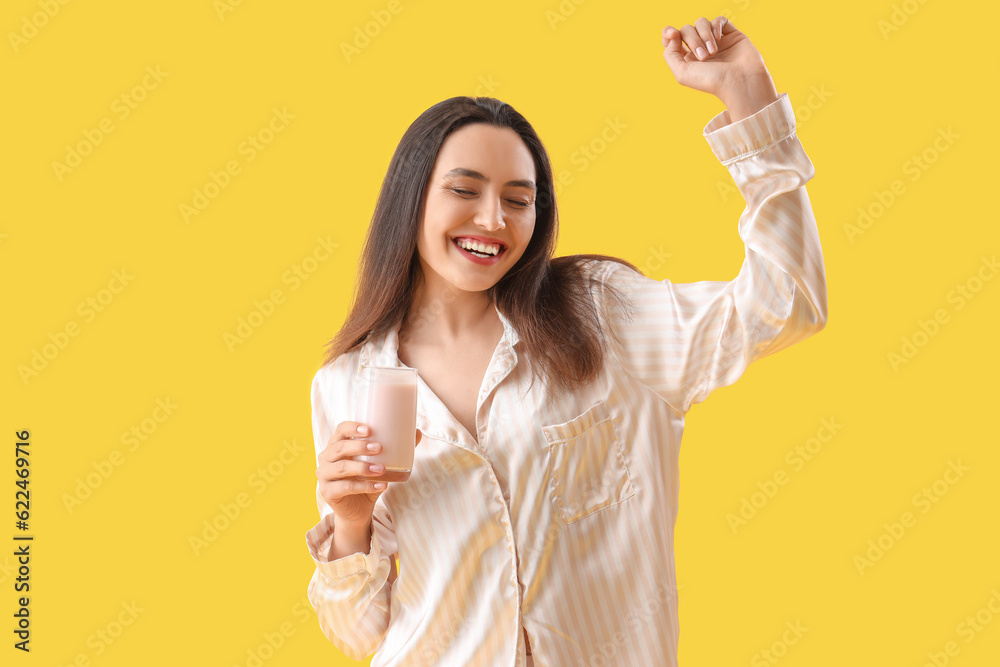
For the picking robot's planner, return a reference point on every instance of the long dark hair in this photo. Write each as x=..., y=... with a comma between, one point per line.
x=547, y=300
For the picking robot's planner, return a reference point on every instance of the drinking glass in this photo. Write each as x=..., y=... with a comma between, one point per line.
x=386, y=401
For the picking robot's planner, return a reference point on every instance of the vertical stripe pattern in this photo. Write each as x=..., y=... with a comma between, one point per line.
x=557, y=521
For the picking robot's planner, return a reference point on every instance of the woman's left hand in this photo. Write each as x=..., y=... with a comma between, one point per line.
x=720, y=60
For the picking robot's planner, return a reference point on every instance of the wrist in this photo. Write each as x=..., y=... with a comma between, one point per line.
x=353, y=527
x=349, y=537
x=750, y=97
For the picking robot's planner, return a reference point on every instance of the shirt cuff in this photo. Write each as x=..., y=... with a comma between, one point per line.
x=747, y=137
x=319, y=538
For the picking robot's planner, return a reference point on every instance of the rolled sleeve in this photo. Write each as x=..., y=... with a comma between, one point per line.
x=320, y=537
x=351, y=594
x=736, y=141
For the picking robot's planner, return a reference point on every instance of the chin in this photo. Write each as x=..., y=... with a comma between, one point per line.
x=470, y=285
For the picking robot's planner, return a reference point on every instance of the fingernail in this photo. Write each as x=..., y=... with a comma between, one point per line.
x=375, y=467
x=700, y=52
x=711, y=47
x=373, y=446
x=379, y=485
x=362, y=429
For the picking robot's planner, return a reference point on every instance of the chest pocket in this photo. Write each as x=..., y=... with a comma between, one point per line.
x=587, y=469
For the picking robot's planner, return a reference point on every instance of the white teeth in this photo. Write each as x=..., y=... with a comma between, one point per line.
x=479, y=247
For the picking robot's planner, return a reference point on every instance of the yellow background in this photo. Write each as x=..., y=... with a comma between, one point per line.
x=867, y=103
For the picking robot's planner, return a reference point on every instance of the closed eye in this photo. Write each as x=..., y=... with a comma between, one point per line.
x=516, y=202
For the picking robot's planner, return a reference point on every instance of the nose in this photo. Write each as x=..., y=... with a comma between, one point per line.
x=489, y=214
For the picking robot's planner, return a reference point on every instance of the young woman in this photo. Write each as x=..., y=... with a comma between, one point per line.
x=537, y=524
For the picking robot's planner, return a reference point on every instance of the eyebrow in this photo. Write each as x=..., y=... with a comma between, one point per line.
x=472, y=173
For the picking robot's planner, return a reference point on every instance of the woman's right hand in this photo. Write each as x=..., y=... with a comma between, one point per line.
x=720, y=60
x=349, y=486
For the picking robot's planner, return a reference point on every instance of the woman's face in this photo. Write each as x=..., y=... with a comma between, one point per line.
x=482, y=189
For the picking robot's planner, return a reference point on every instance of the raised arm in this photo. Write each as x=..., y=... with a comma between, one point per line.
x=685, y=340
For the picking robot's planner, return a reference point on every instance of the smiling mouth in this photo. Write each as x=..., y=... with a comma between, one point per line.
x=501, y=249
